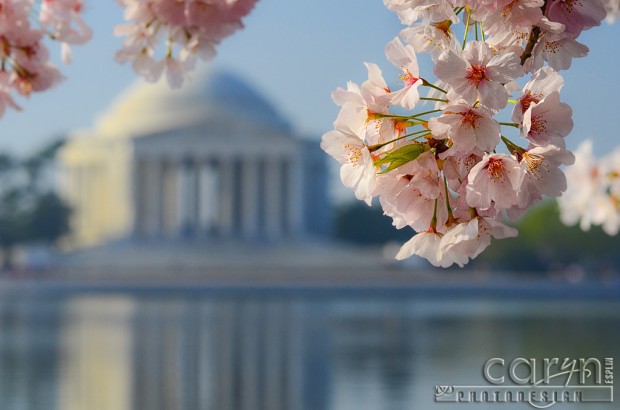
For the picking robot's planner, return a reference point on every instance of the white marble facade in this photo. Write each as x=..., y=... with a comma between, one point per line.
x=212, y=160
x=188, y=191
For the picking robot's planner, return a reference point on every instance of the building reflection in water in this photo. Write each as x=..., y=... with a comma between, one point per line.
x=96, y=339
x=180, y=355
x=191, y=352
x=28, y=354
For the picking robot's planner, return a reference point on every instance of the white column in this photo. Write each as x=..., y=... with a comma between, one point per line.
x=73, y=194
x=226, y=192
x=187, y=195
x=195, y=197
x=98, y=219
x=294, y=354
x=249, y=198
x=226, y=357
x=182, y=195
x=294, y=206
x=79, y=202
x=84, y=202
x=250, y=338
x=274, y=351
x=209, y=197
x=273, y=192
x=138, y=198
x=171, y=196
x=153, y=198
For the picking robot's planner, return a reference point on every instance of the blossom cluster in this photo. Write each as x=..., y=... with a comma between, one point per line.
x=613, y=10
x=24, y=56
x=169, y=35
x=453, y=172
x=593, y=194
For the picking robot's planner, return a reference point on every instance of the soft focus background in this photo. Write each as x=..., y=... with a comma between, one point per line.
x=194, y=249
x=296, y=55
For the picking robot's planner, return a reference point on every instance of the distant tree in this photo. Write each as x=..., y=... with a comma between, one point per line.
x=358, y=223
x=30, y=212
x=49, y=218
x=13, y=224
x=36, y=164
x=545, y=243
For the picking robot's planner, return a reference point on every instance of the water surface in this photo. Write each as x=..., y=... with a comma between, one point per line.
x=125, y=350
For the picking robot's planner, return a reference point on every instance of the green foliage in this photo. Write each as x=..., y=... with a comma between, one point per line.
x=14, y=220
x=401, y=156
x=545, y=242
x=29, y=210
x=49, y=218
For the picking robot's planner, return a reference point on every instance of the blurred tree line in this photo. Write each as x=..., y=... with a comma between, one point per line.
x=544, y=244
x=30, y=211
x=358, y=223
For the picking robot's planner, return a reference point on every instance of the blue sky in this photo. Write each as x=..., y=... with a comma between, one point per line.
x=295, y=54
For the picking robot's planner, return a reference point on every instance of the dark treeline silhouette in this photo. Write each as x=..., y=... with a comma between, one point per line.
x=30, y=210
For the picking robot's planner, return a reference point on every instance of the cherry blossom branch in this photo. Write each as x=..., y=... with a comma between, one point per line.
x=459, y=161
x=192, y=29
x=531, y=42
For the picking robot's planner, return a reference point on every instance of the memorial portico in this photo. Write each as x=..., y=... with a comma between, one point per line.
x=212, y=160
x=241, y=196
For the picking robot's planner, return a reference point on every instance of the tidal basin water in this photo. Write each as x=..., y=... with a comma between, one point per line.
x=282, y=349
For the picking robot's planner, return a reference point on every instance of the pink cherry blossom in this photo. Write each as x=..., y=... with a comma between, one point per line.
x=557, y=48
x=542, y=173
x=409, y=11
x=612, y=7
x=364, y=103
x=357, y=171
x=190, y=28
x=548, y=121
x=434, y=38
x=412, y=196
x=477, y=74
x=441, y=171
x=593, y=194
x=496, y=179
x=510, y=15
x=576, y=15
x=467, y=128
x=424, y=244
x=544, y=82
x=404, y=57
x=467, y=240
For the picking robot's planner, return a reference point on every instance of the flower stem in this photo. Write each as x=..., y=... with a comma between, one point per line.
x=415, y=117
x=427, y=84
x=512, y=147
x=373, y=148
x=510, y=124
x=466, y=29
x=433, y=99
x=420, y=136
x=450, y=215
x=434, y=220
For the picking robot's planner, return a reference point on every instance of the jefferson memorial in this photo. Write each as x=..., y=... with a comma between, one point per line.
x=211, y=160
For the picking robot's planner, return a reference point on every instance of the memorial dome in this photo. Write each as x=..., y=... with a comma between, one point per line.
x=209, y=96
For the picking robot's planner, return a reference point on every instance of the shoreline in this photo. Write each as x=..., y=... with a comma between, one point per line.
x=422, y=285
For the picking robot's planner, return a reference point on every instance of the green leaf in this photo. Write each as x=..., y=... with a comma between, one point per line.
x=401, y=156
